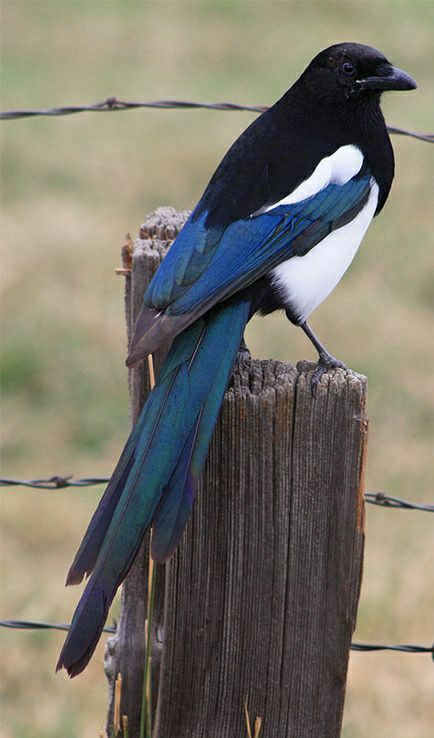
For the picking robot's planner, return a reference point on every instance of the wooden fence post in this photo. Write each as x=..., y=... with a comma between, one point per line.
x=255, y=611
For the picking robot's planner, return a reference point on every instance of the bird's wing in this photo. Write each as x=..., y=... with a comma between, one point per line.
x=207, y=265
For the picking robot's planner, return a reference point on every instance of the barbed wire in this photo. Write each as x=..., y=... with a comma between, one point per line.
x=405, y=648
x=40, y=625
x=112, y=104
x=58, y=482
x=366, y=647
x=429, y=137
x=55, y=482
x=383, y=500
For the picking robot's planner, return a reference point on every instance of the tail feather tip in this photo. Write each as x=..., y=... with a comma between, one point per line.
x=72, y=668
x=75, y=576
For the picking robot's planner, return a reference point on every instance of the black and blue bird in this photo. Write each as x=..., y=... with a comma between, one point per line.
x=276, y=228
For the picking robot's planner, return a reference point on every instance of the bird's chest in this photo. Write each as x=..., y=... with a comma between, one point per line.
x=303, y=282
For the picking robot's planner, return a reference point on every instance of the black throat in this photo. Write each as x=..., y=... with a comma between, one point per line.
x=332, y=121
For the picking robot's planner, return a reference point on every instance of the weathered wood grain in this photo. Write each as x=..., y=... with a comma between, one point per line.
x=259, y=603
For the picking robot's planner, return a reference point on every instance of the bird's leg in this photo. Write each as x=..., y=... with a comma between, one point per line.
x=325, y=362
x=243, y=352
x=244, y=349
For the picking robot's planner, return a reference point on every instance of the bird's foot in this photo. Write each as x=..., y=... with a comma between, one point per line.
x=325, y=362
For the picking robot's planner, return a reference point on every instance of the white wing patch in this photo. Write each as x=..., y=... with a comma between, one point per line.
x=338, y=168
x=305, y=281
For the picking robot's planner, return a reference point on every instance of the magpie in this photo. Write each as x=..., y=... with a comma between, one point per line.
x=276, y=228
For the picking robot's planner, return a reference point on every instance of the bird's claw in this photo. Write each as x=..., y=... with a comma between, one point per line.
x=325, y=362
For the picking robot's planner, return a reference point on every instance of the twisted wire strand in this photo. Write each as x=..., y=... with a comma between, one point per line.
x=112, y=104
x=362, y=647
x=58, y=482
x=41, y=625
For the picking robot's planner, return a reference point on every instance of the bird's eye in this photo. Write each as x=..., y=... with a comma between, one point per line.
x=348, y=68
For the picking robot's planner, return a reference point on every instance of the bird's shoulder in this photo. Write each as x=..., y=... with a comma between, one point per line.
x=268, y=161
x=281, y=151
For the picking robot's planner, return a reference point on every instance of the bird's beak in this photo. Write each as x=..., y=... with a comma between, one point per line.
x=390, y=78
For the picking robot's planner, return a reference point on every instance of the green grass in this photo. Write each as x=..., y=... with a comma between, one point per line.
x=72, y=187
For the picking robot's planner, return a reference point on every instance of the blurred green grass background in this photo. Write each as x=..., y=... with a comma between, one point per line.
x=72, y=187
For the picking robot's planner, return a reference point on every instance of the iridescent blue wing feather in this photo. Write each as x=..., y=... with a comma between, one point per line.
x=200, y=361
x=249, y=248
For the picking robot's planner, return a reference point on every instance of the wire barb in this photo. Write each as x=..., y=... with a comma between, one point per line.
x=58, y=482
x=114, y=104
x=383, y=500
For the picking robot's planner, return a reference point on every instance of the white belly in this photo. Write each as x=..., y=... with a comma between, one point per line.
x=305, y=281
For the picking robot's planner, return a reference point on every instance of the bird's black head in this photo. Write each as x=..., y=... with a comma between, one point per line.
x=352, y=70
